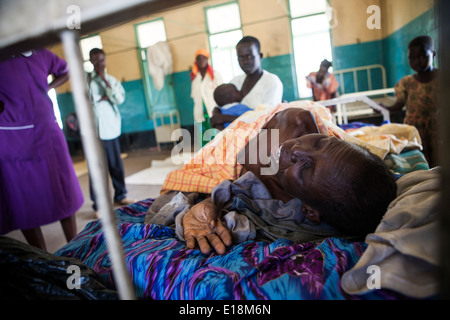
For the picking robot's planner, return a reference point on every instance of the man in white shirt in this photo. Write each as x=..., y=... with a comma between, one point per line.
x=257, y=86
x=106, y=94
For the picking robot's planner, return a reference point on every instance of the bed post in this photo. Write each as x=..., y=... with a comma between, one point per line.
x=96, y=163
x=443, y=7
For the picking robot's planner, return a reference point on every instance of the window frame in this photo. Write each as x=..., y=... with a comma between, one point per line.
x=87, y=37
x=143, y=64
x=210, y=34
x=293, y=38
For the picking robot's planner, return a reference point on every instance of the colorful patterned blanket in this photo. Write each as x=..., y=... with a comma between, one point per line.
x=163, y=269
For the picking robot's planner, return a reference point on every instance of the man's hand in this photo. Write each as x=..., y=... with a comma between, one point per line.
x=202, y=225
x=101, y=73
x=104, y=98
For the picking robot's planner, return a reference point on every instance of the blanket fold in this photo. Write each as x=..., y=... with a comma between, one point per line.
x=390, y=138
x=270, y=218
x=404, y=246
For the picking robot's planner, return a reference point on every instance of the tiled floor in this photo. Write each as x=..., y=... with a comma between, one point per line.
x=134, y=161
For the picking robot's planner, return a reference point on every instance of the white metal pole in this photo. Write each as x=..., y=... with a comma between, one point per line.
x=95, y=157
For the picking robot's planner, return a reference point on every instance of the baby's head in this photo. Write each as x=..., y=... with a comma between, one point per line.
x=227, y=93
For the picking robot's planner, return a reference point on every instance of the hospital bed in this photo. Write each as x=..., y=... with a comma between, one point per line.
x=361, y=90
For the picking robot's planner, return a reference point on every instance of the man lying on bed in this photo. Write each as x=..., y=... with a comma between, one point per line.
x=323, y=187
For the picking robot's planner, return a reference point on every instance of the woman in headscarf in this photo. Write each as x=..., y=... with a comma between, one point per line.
x=204, y=81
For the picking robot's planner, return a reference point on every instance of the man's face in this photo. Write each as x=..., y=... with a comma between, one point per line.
x=98, y=60
x=202, y=61
x=249, y=57
x=420, y=59
x=312, y=166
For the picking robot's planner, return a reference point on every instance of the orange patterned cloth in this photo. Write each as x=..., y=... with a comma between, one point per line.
x=385, y=139
x=217, y=161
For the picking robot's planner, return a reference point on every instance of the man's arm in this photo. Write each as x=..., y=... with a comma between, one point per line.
x=397, y=106
x=115, y=91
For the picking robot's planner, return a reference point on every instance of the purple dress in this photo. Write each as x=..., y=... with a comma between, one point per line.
x=38, y=184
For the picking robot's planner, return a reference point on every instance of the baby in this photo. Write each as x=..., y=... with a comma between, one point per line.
x=228, y=98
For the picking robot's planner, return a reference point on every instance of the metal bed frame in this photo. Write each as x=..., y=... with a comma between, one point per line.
x=342, y=101
x=354, y=72
x=359, y=103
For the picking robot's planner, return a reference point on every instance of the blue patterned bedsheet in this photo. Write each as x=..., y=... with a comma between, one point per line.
x=162, y=268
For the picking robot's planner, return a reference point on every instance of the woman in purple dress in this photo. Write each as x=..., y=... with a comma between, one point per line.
x=38, y=184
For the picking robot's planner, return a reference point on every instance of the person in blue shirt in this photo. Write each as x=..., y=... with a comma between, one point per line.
x=228, y=98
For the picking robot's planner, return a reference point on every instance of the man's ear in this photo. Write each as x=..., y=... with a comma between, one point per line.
x=311, y=214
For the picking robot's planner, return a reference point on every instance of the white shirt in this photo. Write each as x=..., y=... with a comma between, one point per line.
x=202, y=91
x=107, y=114
x=268, y=90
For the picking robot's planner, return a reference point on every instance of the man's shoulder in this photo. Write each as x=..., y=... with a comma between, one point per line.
x=238, y=79
x=270, y=76
x=110, y=78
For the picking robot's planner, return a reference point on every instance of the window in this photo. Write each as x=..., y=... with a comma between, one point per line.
x=87, y=44
x=52, y=95
x=149, y=33
x=311, y=39
x=224, y=29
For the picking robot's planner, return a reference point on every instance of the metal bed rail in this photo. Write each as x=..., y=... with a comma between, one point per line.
x=354, y=73
x=96, y=163
x=358, y=97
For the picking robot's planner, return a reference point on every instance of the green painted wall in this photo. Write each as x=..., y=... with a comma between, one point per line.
x=183, y=100
x=133, y=110
x=284, y=68
x=395, y=46
x=390, y=52
x=357, y=55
